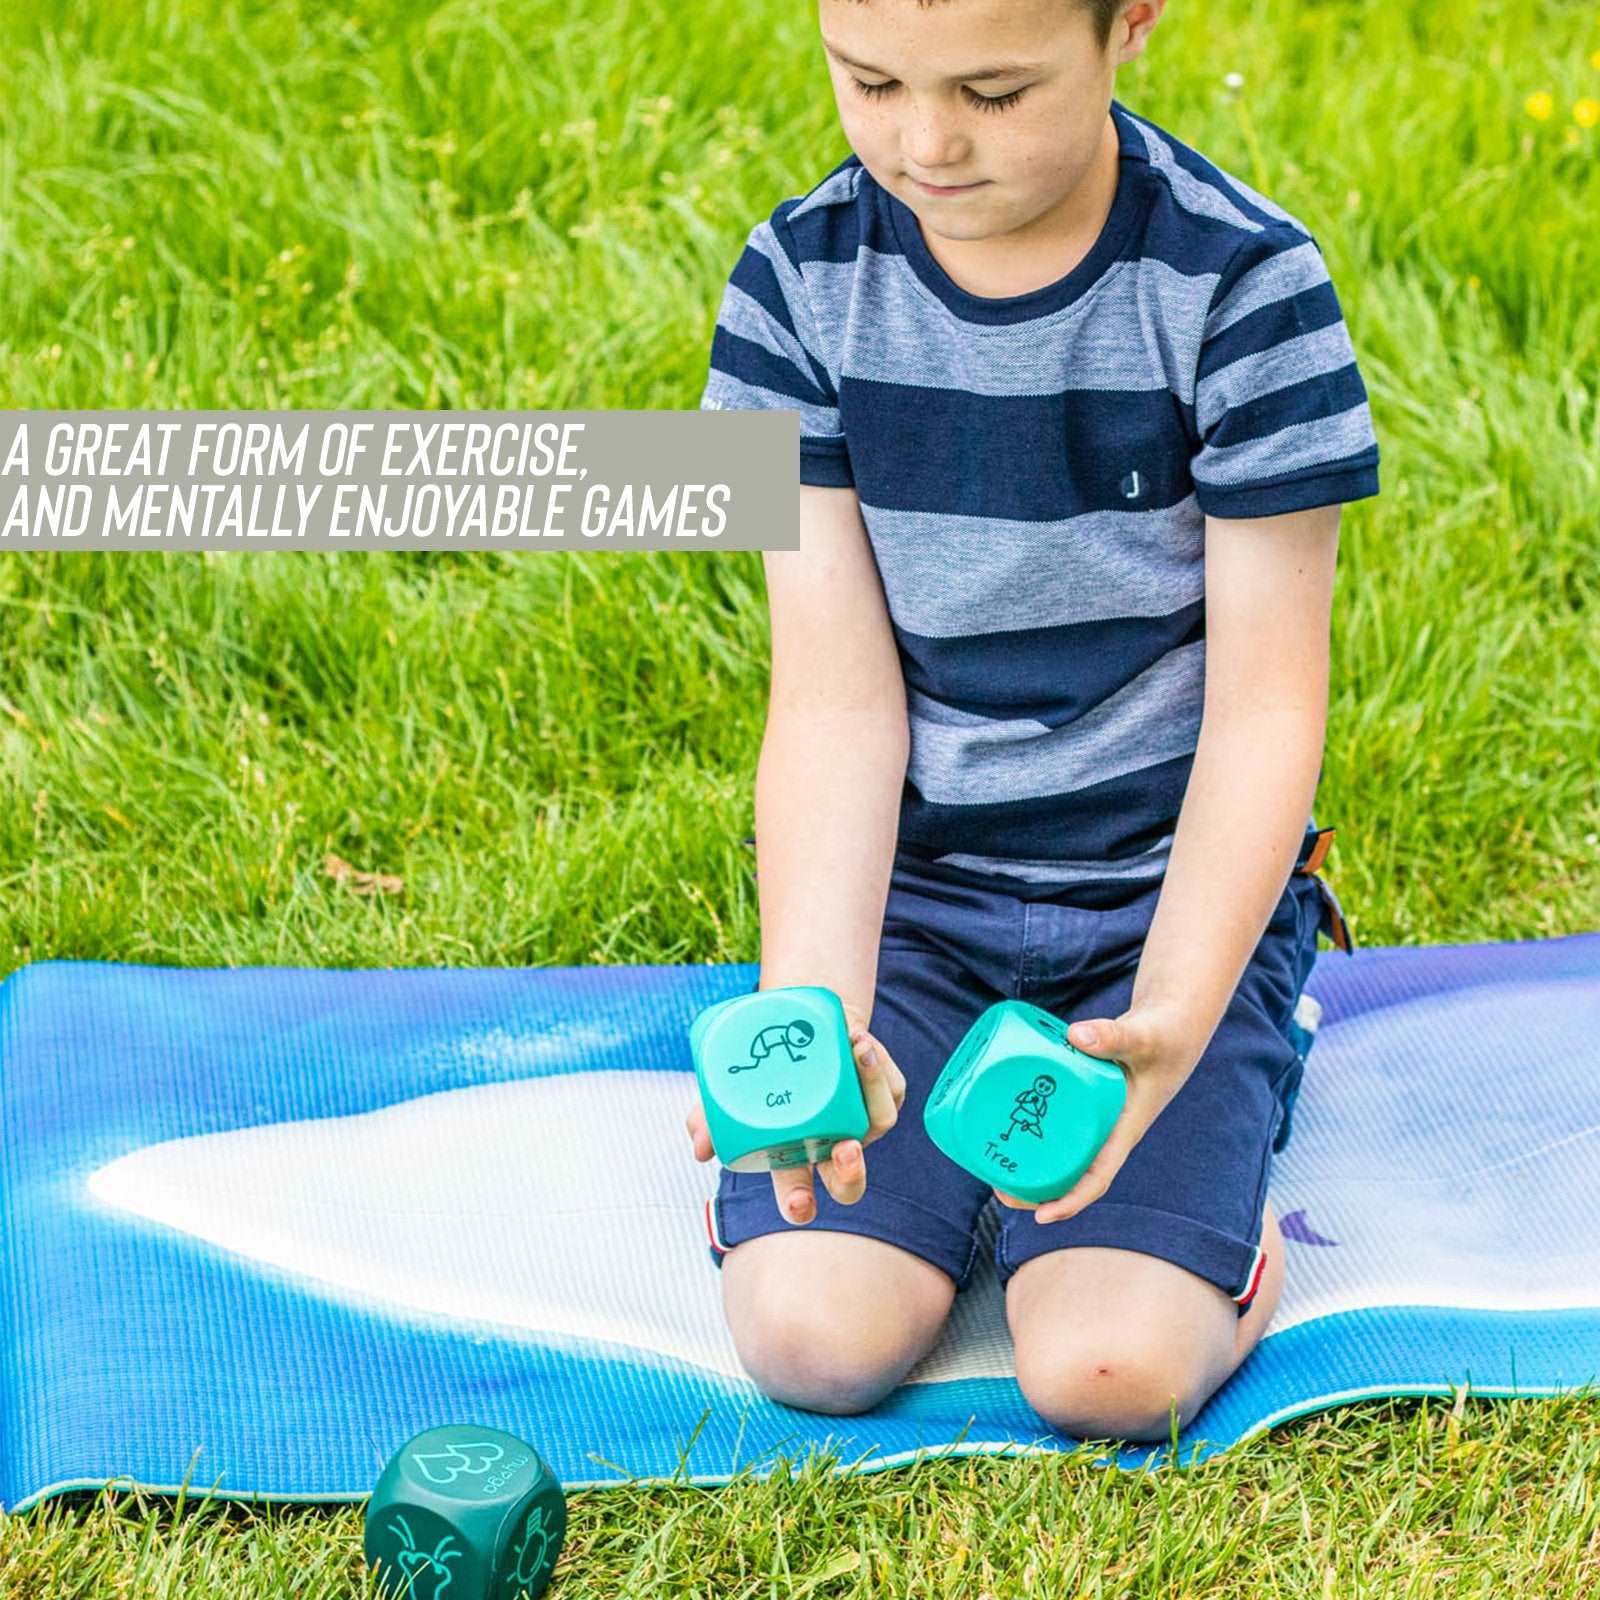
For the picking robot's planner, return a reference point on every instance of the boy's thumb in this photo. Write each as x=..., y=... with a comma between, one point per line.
x=1099, y=1037
x=866, y=1051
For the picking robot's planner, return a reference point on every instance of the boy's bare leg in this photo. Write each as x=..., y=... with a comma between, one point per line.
x=1108, y=1340
x=831, y=1321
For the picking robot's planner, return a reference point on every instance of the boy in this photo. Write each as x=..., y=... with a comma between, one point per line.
x=1049, y=684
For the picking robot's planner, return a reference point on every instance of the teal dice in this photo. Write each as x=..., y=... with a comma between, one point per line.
x=777, y=1077
x=464, y=1513
x=1019, y=1107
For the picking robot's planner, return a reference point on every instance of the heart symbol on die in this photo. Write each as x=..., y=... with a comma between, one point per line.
x=472, y=1458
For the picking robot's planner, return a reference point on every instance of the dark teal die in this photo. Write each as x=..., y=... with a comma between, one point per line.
x=464, y=1513
x=1019, y=1107
x=777, y=1077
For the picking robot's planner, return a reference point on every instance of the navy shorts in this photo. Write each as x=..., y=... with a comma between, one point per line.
x=1193, y=1188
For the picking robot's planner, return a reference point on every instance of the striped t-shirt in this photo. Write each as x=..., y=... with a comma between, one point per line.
x=1034, y=474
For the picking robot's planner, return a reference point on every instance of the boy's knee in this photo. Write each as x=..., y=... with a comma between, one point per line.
x=817, y=1362
x=1102, y=1395
x=828, y=1324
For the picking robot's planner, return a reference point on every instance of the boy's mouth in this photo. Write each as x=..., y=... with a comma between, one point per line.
x=948, y=188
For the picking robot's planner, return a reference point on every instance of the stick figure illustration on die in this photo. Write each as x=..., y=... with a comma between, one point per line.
x=1030, y=1106
x=790, y=1036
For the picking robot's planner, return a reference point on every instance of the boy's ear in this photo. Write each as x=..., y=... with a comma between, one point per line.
x=1134, y=25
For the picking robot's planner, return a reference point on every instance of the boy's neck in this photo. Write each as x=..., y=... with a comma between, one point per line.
x=1046, y=249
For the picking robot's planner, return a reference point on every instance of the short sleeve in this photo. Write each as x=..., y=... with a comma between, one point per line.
x=765, y=352
x=1280, y=408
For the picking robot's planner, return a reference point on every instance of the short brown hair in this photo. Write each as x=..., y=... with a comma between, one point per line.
x=1102, y=13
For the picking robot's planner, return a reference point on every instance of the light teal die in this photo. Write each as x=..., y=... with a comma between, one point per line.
x=1019, y=1107
x=777, y=1077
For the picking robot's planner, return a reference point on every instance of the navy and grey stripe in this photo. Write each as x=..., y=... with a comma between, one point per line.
x=1035, y=473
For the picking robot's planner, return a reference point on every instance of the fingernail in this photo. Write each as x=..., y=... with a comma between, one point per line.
x=1089, y=1036
x=798, y=1208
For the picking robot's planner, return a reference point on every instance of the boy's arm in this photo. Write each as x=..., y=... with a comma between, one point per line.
x=1269, y=594
x=833, y=757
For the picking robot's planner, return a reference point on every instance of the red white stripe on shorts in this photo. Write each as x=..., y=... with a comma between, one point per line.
x=711, y=1229
x=1252, y=1280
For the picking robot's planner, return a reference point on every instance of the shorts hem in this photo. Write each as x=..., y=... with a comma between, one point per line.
x=1233, y=1265
x=732, y=1219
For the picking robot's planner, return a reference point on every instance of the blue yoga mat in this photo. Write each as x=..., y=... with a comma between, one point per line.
x=263, y=1225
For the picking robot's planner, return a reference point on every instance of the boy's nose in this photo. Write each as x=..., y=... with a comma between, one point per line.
x=934, y=147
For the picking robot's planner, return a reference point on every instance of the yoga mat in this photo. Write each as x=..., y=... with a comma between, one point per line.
x=263, y=1225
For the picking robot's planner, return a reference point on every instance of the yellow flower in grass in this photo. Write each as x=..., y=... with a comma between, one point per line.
x=1586, y=113
x=1539, y=105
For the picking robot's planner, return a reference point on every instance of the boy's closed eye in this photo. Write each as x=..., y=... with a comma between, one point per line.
x=983, y=102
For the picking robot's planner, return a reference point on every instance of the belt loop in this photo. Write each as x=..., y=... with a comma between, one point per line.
x=1338, y=928
x=1319, y=853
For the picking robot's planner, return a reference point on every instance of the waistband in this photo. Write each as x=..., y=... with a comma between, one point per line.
x=1313, y=851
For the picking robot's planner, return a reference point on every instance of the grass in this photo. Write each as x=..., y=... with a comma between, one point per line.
x=1418, y=1499
x=491, y=205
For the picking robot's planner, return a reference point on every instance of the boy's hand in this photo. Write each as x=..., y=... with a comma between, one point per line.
x=844, y=1173
x=1157, y=1050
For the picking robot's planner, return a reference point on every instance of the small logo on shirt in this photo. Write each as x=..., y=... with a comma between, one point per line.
x=1133, y=486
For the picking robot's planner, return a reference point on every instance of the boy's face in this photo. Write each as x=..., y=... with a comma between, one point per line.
x=1022, y=157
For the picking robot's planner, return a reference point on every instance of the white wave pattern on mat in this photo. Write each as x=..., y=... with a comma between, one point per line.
x=569, y=1207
